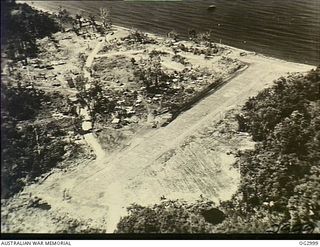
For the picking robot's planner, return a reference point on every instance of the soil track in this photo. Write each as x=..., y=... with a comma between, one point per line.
x=167, y=161
x=84, y=112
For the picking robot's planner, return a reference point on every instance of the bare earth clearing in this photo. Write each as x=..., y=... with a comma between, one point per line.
x=185, y=159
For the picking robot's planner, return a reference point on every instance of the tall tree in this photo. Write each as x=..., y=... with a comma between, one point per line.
x=105, y=18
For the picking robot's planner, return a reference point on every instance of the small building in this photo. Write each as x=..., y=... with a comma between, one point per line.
x=70, y=82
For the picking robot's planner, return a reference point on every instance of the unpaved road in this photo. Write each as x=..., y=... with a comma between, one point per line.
x=170, y=161
x=91, y=140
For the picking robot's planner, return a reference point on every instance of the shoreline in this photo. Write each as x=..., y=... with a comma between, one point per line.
x=164, y=36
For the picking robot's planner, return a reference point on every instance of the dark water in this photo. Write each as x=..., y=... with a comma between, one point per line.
x=286, y=29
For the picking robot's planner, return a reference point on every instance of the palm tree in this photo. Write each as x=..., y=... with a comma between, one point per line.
x=63, y=16
x=105, y=18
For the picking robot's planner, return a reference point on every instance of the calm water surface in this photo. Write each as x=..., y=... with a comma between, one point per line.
x=286, y=29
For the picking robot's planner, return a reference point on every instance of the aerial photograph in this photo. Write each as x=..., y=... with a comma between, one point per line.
x=130, y=118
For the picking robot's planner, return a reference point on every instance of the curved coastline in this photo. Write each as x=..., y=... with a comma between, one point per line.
x=285, y=42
